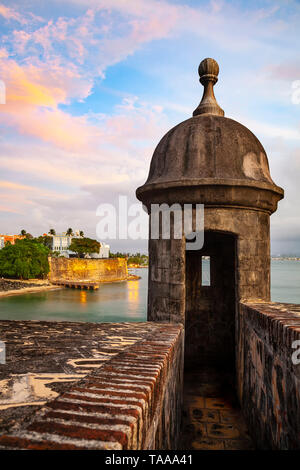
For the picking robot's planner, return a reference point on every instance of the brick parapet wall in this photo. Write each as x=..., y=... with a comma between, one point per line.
x=132, y=402
x=268, y=381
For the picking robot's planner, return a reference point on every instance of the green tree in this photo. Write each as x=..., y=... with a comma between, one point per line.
x=137, y=258
x=52, y=231
x=45, y=240
x=26, y=259
x=69, y=231
x=81, y=233
x=26, y=234
x=118, y=255
x=84, y=246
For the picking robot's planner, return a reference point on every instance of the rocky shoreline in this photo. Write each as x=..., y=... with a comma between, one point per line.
x=8, y=285
x=15, y=287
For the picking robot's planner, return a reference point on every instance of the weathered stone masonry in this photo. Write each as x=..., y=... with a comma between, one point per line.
x=212, y=160
x=133, y=401
x=78, y=269
x=269, y=382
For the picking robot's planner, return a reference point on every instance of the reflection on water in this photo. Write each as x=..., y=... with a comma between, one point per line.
x=83, y=297
x=133, y=292
x=115, y=302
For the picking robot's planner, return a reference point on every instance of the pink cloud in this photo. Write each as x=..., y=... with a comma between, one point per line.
x=76, y=50
x=57, y=61
x=3, y=53
x=36, y=89
x=22, y=199
x=11, y=14
x=114, y=155
x=54, y=126
x=288, y=71
x=41, y=84
x=33, y=94
x=15, y=186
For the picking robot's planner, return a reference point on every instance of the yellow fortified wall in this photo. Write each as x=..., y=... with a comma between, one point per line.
x=81, y=269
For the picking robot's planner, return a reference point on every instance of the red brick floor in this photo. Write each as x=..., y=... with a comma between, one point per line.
x=212, y=419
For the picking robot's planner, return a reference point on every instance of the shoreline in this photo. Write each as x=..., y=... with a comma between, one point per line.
x=46, y=287
x=28, y=290
x=137, y=267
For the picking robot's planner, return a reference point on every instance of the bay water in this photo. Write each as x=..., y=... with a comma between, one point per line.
x=123, y=301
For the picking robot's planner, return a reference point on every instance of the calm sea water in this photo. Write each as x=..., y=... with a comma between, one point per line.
x=122, y=301
x=285, y=281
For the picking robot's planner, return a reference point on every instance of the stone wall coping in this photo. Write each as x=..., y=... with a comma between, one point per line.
x=112, y=408
x=277, y=320
x=269, y=372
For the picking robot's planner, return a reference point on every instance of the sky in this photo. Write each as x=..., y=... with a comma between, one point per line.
x=93, y=85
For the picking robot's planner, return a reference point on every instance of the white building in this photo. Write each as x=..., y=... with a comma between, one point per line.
x=2, y=242
x=103, y=252
x=62, y=242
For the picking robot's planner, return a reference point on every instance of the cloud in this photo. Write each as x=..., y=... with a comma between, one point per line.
x=37, y=89
x=284, y=162
x=33, y=96
x=11, y=185
x=17, y=198
x=287, y=71
x=11, y=14
x=225, y=23
x=127, y=138
x=269, y=130
x=98, y=38
x=57, y=63
x=80, y=180
x=57, y=163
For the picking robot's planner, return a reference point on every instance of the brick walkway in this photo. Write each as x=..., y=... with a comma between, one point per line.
x=212, y=419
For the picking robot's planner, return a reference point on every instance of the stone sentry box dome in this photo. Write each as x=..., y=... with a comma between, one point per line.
x=216, y=161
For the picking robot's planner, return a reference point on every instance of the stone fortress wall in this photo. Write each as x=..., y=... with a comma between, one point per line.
x=81, y=269
x=268, y=378
x=109, y=386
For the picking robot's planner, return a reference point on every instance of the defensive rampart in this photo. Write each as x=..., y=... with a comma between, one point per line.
x=132, y=400
x=268, y=377
x=82, y=269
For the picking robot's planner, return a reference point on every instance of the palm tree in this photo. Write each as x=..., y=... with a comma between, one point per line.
x=23, y=232
x=52, y=231
x=81, y=234
x=69, y=232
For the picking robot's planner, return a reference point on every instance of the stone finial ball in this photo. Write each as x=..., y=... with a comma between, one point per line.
x=208, y=67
